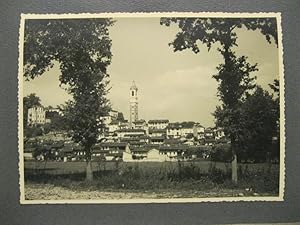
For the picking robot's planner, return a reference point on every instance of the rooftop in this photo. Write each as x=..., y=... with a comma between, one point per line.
x=173, y=147
x=140, y=149
x=134, y=138
x=130, y=130
x=110, y=144
x=158, y=121
x=174, y=126
x=157, y=130
x=158, y=138
x=114, y=123
x=139, y=122
x=173, y=141
x=137, y=135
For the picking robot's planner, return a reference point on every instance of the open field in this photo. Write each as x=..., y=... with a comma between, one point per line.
x=57, y=168
x=66, y=180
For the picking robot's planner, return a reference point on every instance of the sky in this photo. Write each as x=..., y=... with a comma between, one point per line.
x=175, y=86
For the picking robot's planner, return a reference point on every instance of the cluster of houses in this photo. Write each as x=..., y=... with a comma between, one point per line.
x=140, y=140
x=157, y=131
x=172, y=150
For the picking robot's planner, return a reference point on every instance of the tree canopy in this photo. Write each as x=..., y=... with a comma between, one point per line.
x=68, y=42
x=31, y=100
x=217, y=30
x=260, y=125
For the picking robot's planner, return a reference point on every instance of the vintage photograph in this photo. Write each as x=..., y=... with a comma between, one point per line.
x=151, y=107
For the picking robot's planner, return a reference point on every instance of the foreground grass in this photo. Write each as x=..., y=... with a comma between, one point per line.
x=57, y=168
x=140, y=181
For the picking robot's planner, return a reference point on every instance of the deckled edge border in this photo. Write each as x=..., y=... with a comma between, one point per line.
x=277, y=15
x=20, y=110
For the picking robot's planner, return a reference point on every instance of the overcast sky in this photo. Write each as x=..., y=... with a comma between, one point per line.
x=175, y=86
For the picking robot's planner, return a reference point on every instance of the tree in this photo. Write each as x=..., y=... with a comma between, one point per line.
x=34, y=131
x=275, y=96
x=82, y=49
x=260, y=125
x=57, y=120
x=234, y=83
x=234, y=80
x=82, y=116
x=57, y=123
x=120, y=117
x=275, y=87
x=29, y=101
x=221, y=153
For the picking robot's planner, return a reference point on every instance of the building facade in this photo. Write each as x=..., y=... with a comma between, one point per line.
x=36, y=116
x=158, y=124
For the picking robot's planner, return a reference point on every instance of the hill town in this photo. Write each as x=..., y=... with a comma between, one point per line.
x=127, y=140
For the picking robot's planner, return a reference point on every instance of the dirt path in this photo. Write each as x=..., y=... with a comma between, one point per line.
x=52, y=192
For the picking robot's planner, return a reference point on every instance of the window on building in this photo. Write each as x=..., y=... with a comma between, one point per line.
x=132, y=93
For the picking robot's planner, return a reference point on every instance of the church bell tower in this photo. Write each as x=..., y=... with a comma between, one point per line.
x=133, y=104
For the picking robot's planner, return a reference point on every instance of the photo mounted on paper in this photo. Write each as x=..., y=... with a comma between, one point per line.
x=151, y=108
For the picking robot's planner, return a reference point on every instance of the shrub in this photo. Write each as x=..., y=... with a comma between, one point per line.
x=221, y=153
x=217, y=175
x=265, y=179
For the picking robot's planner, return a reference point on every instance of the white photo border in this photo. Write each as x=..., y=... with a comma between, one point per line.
x=276, y=15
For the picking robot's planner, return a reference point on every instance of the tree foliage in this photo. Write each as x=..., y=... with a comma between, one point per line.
x=275, y=86
x=210, y=31
x=57, y=123
x=260, y=126
x=221, y=153
x=235, y=83
x=31, y=100
x=30, y=132
x=68, y=42
x=83, y=114
x=276, y=95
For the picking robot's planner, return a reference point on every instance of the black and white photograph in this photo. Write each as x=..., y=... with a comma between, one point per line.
x=151, y=108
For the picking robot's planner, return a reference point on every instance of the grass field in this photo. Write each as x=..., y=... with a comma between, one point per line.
x=187, y=179
x=57, y=168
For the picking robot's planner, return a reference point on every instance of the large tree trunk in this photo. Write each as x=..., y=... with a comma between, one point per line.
x=234, y=168
x=89, y=171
